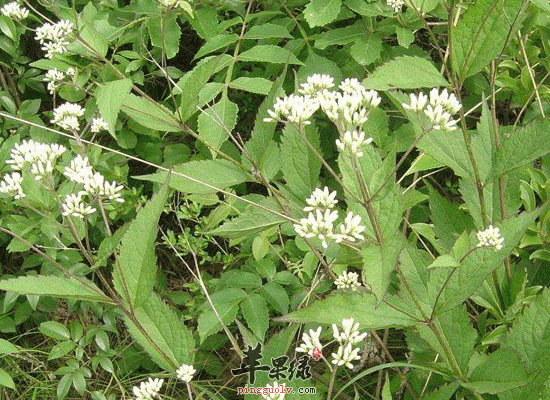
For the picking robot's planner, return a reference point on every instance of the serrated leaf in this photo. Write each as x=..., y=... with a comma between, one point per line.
x=321, y=12
x=252, y=85
x=217, y=122
x=444, y=261
x=164, y=336
x=55, y=286
x=523, y=146
x=420, y=73
x=249, y=223
x=361, y=307
x=277, y=296
x=267, y=31
x=481, y=34
x=256, y=314
x=299, y=164
x=227, y=305
x=216, y=43
x=149, y=115
x=502, y=370
x=342, y=36
x=269, y=53
x=366, y=50
x=134, y=276
x=205, y=176
x=165, y=33
x=109, y=98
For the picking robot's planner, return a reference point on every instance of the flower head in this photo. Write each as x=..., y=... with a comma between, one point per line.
x=490, y=237
x=296, y=109
x=417, y=103
x=186, y=372
x=350, y=333
x=66, y=116
x=73, y=205
x=345, y=355
x=321, y=199
x=396, y=4
x=39, y=158
x=53, y=77
x=309, y=342
x=348, y=280
x=274, y=392
x=351, y=229
x=148, y=390
x=316, y=83
x=11, y=184
x=318, y=224
x=98, y=124
x=352, y=142
x=53, y=37
x=14, y=10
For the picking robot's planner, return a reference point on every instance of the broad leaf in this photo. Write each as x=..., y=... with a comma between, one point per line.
x=162, y=333
x=134, y=274
x=110, y=97
x=253, y=85
x=226, y=303
x=420, y=73
x=205, y=176
x=269, y=53
x=256, y=314
x=322, y=12
x=149, y=115
x=165, y=33
x=341, y=36
x=217, y=122
x=217, y=43
x=55, y=286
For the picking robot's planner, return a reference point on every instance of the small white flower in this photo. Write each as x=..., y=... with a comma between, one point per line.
x=350, y=85
x=350, y=333
x=321, y=199
x=350, y=108
x=73, y=205
x=98, y=124
x=14, y=10
x=79, y=170
x=186, y=372
x=440, y=118
x=39, y=158
x=66, y=116
x=53, y=37
x=11, y=184
x=316, y=83
x=345, y=355
x=71, y=71
x=396, y=4
x=169, y=3
x=148, y=390
x=351, y=229
x=348, y=280
x=53, y=77
x=276, y=391
x=352, y=142
x=318, y=224
x=490, y=237
x=296, y=109
x=417, y=103
x=309, y=342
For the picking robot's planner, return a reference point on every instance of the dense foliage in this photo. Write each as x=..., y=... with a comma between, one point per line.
x=360, y=187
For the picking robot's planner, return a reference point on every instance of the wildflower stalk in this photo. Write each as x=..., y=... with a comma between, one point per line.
x=331, y=382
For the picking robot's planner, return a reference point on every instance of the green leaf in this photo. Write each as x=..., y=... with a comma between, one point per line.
x=226, y=303
x=8, y=27
x=149, y=115
x=420, y=73
x=277, y=296
x=109, y=99
x=54, y=330
x=163, y=334
x=481, y=34
x=205, y=176
x=217, y=43
x=134, y=276
x=379, y=262
x=251, y=222
x=500, y=371
x=366, y=50
x=253, y=85
x=256, y=315
x=270, y=54
x=444, y=392
x=260, y=247
x=458, y=334
x=361, y=307
x=316, y=64
x=61, y=349
x=165, y=33
x=267, y=31
x=55, y=286
x=299, y=164
x=322, y=12
x=7, y=348
x=529, y=337
x=241, y=279
x=217, y=122
x=404, y=36
x=6, y=380
x=522, y=147
x=444, y=261
x=342, y=36
x=89, y=34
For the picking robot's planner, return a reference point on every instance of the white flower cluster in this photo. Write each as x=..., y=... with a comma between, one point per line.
x=14, y=10
x=349, y=337
x=490, y=237
x=353, y=142
x=185, y=372
x=38, y=158
x=320, y=220
x=54, y=77
x=169, y=3
x=396, y=4
x=350, y=107
x=310, y=341
x=11, y=185
x=66, y=116
x=53, y=37
x=148, y=390
x=316, y=83
x=276, y=391
x=348, y=280
x=440, y=108
x=98, y=124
